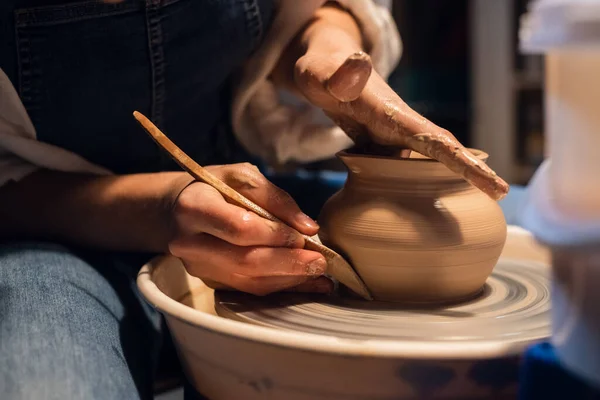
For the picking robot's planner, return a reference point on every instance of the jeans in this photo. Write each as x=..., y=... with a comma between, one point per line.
x=72, y=326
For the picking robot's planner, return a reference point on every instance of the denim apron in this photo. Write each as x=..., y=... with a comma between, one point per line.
x=82, y=68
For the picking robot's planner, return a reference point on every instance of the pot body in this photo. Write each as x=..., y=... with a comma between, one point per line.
x=413, y=230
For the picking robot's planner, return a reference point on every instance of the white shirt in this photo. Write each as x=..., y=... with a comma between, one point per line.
x=271, y=124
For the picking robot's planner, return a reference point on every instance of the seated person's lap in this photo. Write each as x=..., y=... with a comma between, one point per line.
x=73, y=326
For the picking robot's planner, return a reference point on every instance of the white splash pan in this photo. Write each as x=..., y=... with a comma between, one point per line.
x=228, y=359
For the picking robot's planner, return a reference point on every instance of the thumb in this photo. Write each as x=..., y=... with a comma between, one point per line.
x=324, y=78
x=349, y=80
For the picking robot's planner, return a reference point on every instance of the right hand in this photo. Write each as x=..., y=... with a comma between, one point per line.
x=334, y=74
x=226, y=244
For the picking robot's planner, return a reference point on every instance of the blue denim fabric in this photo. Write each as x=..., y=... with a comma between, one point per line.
x=82, y=68
x=72, y=325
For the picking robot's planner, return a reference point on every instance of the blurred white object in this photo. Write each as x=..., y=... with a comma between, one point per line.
x=563, y=207
x=551, y=24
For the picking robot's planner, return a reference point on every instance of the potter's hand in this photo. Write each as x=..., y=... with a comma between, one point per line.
x=333, y=73
x=223, y=243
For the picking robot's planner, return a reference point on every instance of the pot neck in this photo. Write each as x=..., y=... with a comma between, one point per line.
x=393, y=174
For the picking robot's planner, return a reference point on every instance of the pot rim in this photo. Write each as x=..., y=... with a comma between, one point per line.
x=307, y=342
x=480, y=154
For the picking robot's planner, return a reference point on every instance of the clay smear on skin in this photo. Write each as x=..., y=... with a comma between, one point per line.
x=439, y=145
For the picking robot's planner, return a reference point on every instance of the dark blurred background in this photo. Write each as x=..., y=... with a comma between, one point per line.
x=433, y=75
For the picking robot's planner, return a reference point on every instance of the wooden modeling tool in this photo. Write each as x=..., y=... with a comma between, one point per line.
x=337, y=266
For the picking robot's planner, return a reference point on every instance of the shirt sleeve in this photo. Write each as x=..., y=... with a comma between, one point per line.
x=280, y=127
x=20, y=151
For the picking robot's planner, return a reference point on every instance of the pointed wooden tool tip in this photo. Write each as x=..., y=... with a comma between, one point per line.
x=149, y=126
x=141, y=118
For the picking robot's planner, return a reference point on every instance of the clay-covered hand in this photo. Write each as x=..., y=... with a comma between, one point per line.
x=334, y=74
x=224, y=244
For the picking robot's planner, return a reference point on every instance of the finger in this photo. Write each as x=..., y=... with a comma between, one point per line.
x=215, y=285
x=321, y=284
x=251, y=183
x=392, y=122
x=355, y=131
x=348, y=82
x=200, y=208
x=460, y=161
x=265, y=286
x=362, y=143
x=215, y=259
x=328, y=79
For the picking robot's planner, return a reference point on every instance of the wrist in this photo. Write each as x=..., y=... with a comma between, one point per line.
x=177, y=185
x=332, y=30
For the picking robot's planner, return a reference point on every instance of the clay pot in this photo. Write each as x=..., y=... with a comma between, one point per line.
x=413, y=230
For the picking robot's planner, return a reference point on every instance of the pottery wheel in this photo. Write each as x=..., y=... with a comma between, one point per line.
x=513, y=305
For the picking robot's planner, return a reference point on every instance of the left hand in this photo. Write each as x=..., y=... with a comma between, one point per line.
x=229, y=247
x=335, y=74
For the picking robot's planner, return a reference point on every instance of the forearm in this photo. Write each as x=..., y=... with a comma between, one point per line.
x=122, y=213
x=333, y=28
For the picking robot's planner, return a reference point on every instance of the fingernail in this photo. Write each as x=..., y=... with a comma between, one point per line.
x=347, y=83
x=306, y=221
x=316, y=267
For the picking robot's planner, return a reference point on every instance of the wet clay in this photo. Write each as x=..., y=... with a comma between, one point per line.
x=413, y=229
